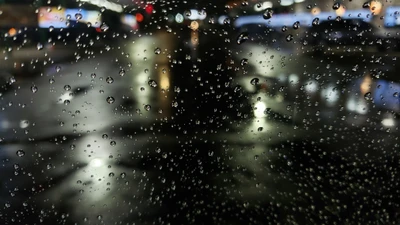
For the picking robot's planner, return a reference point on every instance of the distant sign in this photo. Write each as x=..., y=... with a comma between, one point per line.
x=57, y=18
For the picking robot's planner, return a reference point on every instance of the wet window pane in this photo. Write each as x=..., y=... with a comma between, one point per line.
x=199, y=112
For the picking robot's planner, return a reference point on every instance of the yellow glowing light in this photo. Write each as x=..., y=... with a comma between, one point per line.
x=365, y=86
x=194, y=25
x=340, y=11
x=315, y=11
x=12, y=32
x=375, y=7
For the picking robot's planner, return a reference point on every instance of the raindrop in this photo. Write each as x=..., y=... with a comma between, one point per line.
x=110, y=100
x=113, y=143
x=99, y=217
x=396, y=94
x=237, y=88
x=109, y=80
x=336, y=6
x=152, y=83
x=268, y=13
x=254, y=81
x=111, y=174
x=366, y=5
x=123, y=175
x=58, y=69
x=260, y=129
x=34, y=89
x=122, y=72
x=309, y=6
x=188, y=13
x=242, y=38
x=289, y=38
x=368, y=96
x=67, y=87
x=296, y=25
x=79, y=74
x=104, y=28
x=284, y=28
x=157, y=51
x=244, y=62
x=78, y=16
x=93, y=75
x=39, y=46
x=20, y=153
x=147, y=107
x=105, y=136
x=315, y=21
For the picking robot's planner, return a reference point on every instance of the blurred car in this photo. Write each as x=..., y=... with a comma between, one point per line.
x=343, y=33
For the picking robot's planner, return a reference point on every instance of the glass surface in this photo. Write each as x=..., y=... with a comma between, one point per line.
x=199, y=112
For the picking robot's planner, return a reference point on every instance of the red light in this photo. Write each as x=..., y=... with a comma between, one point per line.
x=139, y=17
x=149, y=9
x=98, y=29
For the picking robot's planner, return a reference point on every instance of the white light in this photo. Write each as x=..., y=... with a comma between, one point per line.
x=299, y=1
x=179, y=18
x=388, y=122
x=286, y=2
x=263, y=6
x=293, y=78
x=221, y=19
x=259, y=109
x=330, y=94
x=96, y=163
x=107, y=4
x=311, y=87
x=64, y=97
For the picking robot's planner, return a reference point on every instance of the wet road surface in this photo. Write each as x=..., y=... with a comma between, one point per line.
x=156, y=130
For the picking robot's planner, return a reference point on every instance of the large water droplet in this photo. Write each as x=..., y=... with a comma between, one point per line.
x=255, y=81
x=336, y=6
x=268, y=13
x=34, y=89
x=315, y=21
x=157, y=51
x=20, y=153
x=110, y=100
x=152, y=83
x=110, y=80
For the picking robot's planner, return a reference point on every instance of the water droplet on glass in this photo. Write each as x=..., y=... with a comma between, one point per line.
x=396, y=94
x=110, y=100
x=122, y=72
x=260, y=129
x=289, y=38
x=255, y=81
x=147, y=107
x=152, y=83
x=315, y=21
x=113, y=143
x=244, y=62
x=79, y=74
x=109, y=80
x=237, y=88
x=242, y=38
x=296, y=25
x=51, y=81
x=104, y=28
x=78, y=16
x=187, y=13
x=157, y=51
x=336, y=6
x=20, y=153
x=368, y=96
x=284, y=28
x=67, y=87
x=39, y=46
x=58, y=69
x=34, y=89
x=111, y=174
x=366, y=5
x=93, y=75
x=268, y=13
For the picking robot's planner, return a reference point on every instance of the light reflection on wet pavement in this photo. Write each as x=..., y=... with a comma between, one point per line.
x=181, y=143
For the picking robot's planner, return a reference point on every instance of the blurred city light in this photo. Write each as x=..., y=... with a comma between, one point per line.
x=259, y=109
